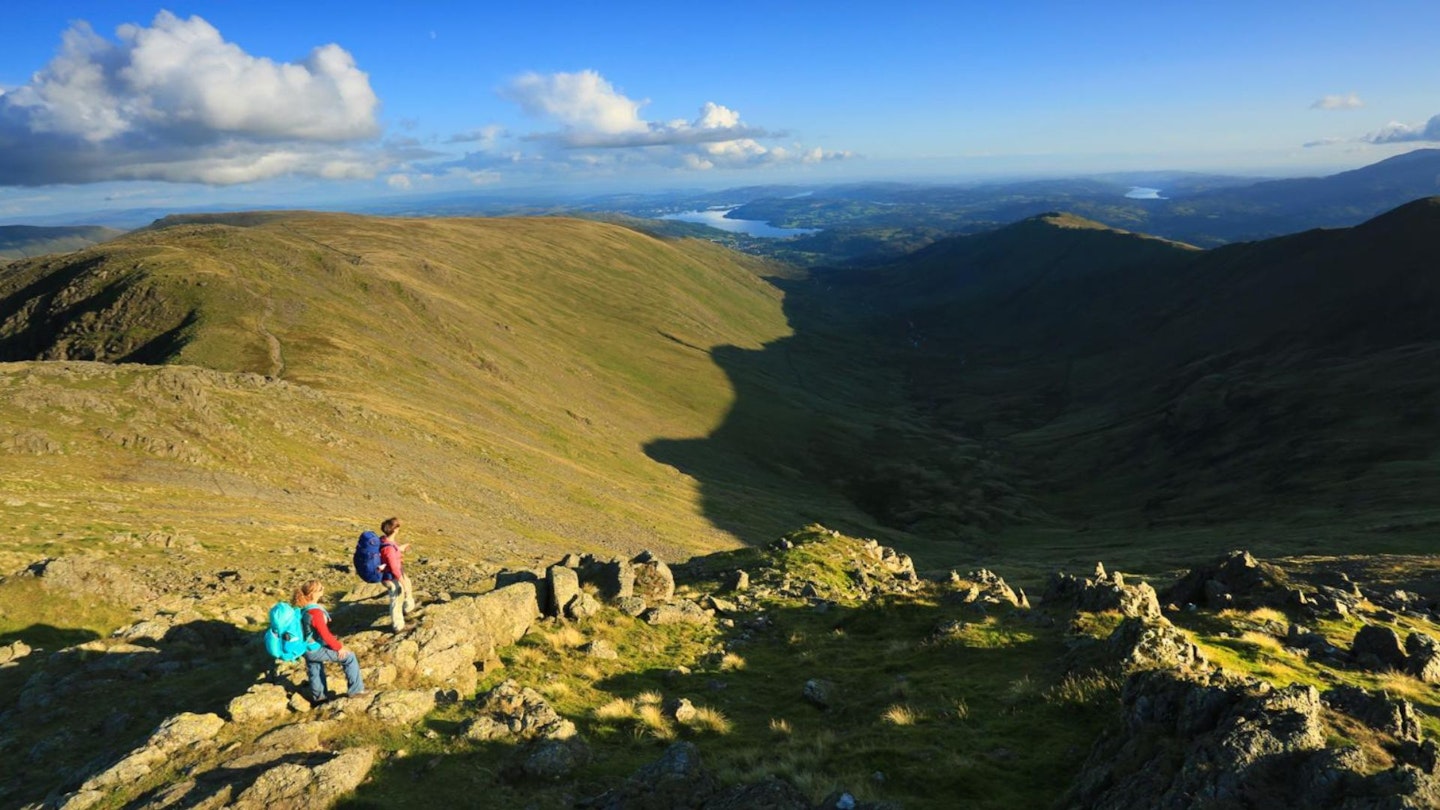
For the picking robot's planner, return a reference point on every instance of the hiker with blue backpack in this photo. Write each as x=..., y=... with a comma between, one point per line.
x=303, y=631
x=378, y=558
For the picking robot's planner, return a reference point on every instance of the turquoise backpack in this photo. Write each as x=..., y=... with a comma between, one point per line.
x=286, y=638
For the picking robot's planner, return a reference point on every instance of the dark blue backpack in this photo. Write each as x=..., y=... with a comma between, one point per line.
x=367, y=557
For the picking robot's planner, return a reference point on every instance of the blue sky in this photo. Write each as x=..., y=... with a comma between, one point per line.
x=126, y=104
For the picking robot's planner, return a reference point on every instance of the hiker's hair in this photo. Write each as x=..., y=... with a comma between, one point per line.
x=389, y=526
x=305, y=594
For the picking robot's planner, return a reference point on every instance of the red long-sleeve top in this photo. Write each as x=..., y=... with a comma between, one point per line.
x=321, y=627
x=390, y=558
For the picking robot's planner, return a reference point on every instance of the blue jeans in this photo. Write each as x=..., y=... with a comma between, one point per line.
x=315, y=661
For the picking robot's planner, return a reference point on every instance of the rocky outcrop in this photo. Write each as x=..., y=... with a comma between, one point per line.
x=510, y=710
x=1102, y=592
x=180, y=733
x=551, y=750
x=1137, y=644
x=983, y=587
x=1227, y=742
x=453, y=636
x=1378, y=648
x=1235, y=580
x=294, y=784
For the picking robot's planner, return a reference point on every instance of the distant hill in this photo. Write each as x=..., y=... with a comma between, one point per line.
x=1136, y=380
x=23, y=241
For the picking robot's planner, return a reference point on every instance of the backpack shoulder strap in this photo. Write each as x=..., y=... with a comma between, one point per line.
x=305, y=619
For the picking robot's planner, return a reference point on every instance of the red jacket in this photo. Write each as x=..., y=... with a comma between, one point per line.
x=320, y=626
x=390, y=558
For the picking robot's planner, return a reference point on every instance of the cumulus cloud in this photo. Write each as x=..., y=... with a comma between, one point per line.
x=1346, y=102
x=1324, y=142
x=176, y=102
x=594, y=118
x=1396, y=132
x=584, y=100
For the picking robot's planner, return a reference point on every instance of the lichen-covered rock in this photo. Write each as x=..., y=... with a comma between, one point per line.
x=510, y=710
x=631, y=605
x=178, y=733
x=1138, y=644
x=450, y=638
x=1423, y=657
x=304, y=785
x=13, y=652
x=77, y=575
x=263, y=701
x=564, y=586
x=682, y=612
x=583, y=607
x=613, y=579
x=654, y=582
x=402, y=707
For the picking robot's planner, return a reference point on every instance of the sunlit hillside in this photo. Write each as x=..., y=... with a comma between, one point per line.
x=305, y=375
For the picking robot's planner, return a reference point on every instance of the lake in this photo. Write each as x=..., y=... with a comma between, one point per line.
x=715, y=218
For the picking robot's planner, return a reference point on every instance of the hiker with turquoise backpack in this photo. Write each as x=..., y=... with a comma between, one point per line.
x=321, y=645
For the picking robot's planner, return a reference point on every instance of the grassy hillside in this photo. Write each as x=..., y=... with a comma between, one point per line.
x=496, y=381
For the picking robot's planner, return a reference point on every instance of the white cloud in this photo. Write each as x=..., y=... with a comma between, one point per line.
x=584, y=100
x=599, y=127
x=1396, y=132
x=1324, y=142
x=398, y=181
x=176, y=102
x=1346, y=102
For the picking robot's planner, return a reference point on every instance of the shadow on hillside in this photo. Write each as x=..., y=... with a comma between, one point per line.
x=48, y=636
x=76, y=710
x=800, y=405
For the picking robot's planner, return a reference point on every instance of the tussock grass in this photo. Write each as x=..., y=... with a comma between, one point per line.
x=565, y=637
x=900, y=715
x=652, y=722
x=780, y=728
x=709, y=720
x=732, y=662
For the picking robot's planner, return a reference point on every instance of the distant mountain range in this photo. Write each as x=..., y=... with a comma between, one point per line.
x=878, y=222
x=22, y=241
